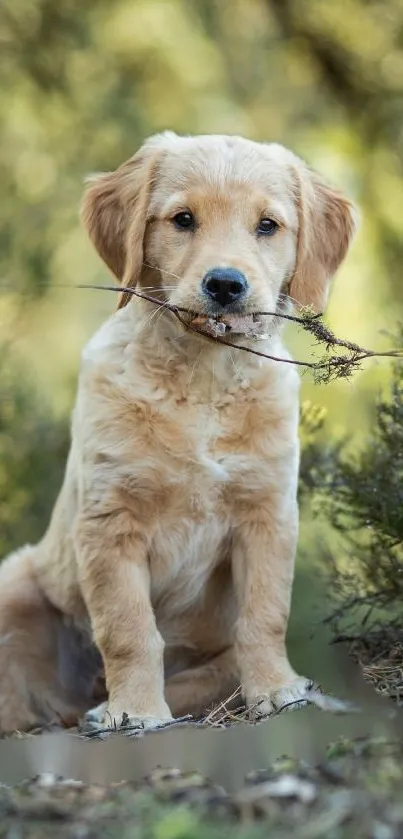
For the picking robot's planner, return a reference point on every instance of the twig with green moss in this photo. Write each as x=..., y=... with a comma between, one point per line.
x=325, y=369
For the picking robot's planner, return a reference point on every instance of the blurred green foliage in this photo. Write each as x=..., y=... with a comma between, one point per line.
x=33, y=448
x=361, y=494
x=82, y=84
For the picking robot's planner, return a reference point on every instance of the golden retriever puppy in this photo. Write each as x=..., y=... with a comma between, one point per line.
x=168, y=562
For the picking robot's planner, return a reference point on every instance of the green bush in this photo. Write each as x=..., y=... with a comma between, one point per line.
x=360, y=491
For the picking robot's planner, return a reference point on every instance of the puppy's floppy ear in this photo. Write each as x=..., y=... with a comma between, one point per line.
x=114, y=212
x=327, y=223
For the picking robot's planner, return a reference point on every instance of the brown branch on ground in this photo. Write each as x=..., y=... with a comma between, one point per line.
x=379, y=654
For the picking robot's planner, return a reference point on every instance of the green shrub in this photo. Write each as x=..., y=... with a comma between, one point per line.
x=360, y=491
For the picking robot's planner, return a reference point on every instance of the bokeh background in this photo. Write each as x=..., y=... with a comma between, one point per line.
x=82, y=84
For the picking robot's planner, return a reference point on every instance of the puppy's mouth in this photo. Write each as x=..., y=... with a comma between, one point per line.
x=226, y=325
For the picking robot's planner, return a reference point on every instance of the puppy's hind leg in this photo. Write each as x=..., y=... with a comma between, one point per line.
x=31, y=693
x=198, y=689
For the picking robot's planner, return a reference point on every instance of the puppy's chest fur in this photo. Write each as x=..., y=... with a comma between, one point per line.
x=204, y=454
x=208, y=460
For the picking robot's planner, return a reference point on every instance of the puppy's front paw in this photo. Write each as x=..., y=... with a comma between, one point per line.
x=289, y=696
x=104, y=717
x=97, y=715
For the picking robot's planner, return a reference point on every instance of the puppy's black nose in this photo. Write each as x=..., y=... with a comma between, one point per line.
x=224, y=285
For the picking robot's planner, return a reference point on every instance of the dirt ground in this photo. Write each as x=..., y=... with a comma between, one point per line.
x=355, y=791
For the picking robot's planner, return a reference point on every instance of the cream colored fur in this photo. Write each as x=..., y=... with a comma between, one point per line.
x=171, y=546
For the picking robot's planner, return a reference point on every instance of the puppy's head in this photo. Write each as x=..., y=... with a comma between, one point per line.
x=219, y=225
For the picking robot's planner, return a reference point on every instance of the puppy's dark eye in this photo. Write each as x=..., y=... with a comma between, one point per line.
x=267, y=227
x=184, y=220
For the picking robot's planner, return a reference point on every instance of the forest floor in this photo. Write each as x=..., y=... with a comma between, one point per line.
x=354, y=791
